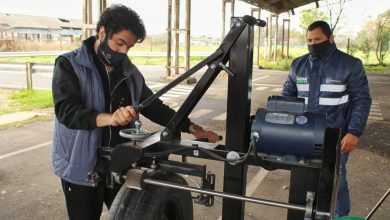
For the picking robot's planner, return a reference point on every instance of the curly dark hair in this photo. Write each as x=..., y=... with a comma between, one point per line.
x=119, y=17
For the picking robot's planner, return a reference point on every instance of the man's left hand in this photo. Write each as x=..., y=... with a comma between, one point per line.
x=349, y=143
x=209, y=135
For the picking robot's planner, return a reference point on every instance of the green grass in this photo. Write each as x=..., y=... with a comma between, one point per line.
x=21, y=123
x=31, y=59
x=26, y=100
x=280, y=64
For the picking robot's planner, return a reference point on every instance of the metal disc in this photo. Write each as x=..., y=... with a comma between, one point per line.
x=132, y=134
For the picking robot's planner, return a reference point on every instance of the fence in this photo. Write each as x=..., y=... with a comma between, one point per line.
x=28, y=68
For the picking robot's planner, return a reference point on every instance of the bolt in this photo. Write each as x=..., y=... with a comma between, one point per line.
x=213, y=66
x=196, y=153
x=165, y=133
x=153, y=165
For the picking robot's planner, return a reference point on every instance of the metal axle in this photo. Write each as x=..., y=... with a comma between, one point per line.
x=225, y=195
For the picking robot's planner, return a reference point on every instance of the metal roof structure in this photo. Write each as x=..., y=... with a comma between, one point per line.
x=278, y=6
x=27, y=24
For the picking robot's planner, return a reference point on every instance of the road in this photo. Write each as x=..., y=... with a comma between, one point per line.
x=29, y=189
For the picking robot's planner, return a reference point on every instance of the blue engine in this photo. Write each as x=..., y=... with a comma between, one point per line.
x=285, y=129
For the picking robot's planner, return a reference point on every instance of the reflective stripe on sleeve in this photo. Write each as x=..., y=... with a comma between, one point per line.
x=332, y=88
x=334, y=101
x=303, y=87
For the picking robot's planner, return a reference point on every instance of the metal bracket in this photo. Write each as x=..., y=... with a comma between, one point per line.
x=134, y=178
x=309, y=205
x=208, y=182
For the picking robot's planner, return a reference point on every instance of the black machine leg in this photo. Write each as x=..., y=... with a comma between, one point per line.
x=302, y=180
x=238, y=117
x=319, y=181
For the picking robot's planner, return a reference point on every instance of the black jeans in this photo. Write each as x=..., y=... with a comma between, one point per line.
x=85, y=202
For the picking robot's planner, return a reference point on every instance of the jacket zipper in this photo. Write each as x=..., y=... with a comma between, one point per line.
x=111, y=97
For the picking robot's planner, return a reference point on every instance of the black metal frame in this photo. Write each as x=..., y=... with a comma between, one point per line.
x=237, y=48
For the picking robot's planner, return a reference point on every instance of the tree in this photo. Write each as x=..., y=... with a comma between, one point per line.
x=382, y=36
x=309, y=16
x=335, y=11
x=365, y=39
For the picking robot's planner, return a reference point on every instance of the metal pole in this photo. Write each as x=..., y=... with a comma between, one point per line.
x=188, y=35
x=225, y=195
x=177, y=26
x=378, y=204
x=29, y=75
x=169, y=38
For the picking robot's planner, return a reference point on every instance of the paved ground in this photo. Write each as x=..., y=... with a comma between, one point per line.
x=29, y=190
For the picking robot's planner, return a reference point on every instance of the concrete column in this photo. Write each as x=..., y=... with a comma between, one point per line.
x=266, y=39
x=258, y=10
x=283, y=36
x=177, y=26
x=232, y=3
x=270, y=38
x=223, y=19
x=102, y=6
x=232, y=6
x=188, y=35
x=288, y=39
x=169, y=38
x=276, y=37
x=87, y=17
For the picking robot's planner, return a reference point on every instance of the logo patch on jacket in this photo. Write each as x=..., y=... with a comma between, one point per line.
x=331, y=81
x=301, y=80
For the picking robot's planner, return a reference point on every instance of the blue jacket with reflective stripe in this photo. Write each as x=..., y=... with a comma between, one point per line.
x=335, y=84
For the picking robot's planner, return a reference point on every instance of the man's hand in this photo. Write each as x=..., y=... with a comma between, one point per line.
x=123, y=116
x=199, y=133
x=349, y=143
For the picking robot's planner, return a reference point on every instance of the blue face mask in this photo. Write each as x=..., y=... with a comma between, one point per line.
x=108, y=56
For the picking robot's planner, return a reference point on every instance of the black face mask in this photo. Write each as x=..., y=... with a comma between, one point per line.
x=108, y=56
x=318, y=50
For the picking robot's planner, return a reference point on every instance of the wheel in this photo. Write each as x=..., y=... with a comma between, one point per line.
x=154, y=202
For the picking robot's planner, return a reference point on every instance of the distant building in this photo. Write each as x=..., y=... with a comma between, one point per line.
x=27, y=28
x=27, y=24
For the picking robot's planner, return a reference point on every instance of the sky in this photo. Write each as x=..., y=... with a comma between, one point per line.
x=205, y=18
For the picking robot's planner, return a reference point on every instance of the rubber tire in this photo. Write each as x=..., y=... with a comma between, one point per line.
x=154, y=202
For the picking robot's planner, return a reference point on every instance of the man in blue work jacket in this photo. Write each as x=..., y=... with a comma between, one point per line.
x=334, y=83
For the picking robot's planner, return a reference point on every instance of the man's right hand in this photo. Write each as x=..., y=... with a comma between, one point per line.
x=123, y=116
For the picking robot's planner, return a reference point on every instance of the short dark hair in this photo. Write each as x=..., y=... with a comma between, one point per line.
x=320, y=24
x=119, y=17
